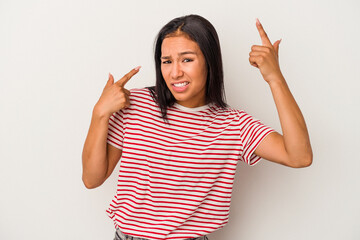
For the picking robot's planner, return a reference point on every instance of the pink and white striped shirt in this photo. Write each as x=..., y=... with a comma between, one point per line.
x=175, y=180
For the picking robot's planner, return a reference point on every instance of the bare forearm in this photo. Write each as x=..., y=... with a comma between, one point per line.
x=94, y=159
x=295, y=133
x=293, y=148
x=98, y=159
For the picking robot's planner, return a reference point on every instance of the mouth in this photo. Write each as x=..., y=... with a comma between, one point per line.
x=180, y=87
x=180, y=84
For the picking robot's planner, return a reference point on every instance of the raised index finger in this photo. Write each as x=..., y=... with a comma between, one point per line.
x=127, y=77
x=264, y=38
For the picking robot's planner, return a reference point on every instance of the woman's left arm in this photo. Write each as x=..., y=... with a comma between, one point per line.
x=293, y=148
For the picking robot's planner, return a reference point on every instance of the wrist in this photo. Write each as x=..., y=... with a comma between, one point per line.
x=99, y=113
x=276, y=80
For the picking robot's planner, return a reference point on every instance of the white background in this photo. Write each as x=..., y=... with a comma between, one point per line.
x=55, y=57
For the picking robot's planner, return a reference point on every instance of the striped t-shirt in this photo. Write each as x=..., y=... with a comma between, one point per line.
x=175, y=179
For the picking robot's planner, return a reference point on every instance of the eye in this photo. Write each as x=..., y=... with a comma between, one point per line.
x=166, y=62
x=188, y=60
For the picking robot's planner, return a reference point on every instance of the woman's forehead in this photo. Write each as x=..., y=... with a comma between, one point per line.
x=179, y=44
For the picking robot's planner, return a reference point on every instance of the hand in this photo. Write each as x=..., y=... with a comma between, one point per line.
x=266, y=57
x=114, y=96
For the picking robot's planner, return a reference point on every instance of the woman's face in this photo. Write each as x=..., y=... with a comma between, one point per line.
x=184, y=69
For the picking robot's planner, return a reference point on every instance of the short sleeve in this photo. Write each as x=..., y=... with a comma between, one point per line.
x=116, y=130
x=252, y=132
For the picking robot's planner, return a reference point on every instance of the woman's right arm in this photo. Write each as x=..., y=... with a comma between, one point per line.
x=99, y=158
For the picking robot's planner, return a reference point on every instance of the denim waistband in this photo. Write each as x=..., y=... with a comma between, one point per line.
x=122, y=236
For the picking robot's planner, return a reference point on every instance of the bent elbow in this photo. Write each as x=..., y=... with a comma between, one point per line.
x=305, y=161
x=89, y=184
x=308, y=159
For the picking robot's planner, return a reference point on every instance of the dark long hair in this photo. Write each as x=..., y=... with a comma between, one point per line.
x=204, y=34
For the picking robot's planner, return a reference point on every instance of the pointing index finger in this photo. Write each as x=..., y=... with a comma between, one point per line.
x=264, y=38
x=127, y=77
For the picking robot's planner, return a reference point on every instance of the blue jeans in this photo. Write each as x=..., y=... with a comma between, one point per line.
x=122, y=236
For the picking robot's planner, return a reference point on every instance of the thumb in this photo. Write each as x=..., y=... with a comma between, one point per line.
x=110, y=81
x=276, y=46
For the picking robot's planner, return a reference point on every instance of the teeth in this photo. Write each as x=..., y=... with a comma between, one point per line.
x=181, y=84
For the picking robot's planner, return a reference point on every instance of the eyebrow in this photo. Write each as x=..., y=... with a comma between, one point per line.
x=180, y=54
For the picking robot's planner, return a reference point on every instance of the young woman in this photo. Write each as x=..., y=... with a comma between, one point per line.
x=179, y=142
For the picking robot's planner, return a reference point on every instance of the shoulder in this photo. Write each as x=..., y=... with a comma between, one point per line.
x=140, y=94
x=141, y=101
x=236, y=116
x=229, y=111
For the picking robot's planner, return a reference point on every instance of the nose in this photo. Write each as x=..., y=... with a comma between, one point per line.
x=176, y=71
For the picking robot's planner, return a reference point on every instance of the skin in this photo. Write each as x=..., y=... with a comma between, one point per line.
x=183, y=61
x=291, y=149
x=99, y=158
